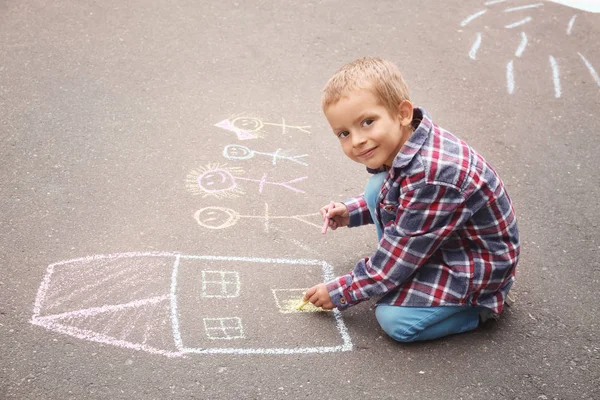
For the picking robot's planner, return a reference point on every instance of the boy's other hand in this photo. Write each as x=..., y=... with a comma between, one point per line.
x=338, y=215
x=319, y=296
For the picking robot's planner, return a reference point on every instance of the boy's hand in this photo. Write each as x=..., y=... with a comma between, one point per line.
x=338, y=215
x=319, y=296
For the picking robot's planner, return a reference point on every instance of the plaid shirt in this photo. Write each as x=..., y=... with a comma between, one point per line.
x=449, y=229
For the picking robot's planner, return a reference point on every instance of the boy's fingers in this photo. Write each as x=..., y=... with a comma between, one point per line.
x=323, y=212
x=314, y=299
x=309, y=293
x=333, y=211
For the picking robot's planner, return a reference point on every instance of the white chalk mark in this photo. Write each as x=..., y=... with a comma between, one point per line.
x=266, y=217
x=524, y=7
x=174, y=316
x=510, y=79
x=492, y=2
x=472, y=17
x=522, y=45
x=571, y=22
x=519, y=23
x=555, y=77
x=475, y=47
x=591, y=69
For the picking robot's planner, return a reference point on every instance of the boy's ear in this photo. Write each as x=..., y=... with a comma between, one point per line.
x=405, y=113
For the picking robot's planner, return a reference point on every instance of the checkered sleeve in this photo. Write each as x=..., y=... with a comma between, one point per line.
x=424, y=217
x=358, y=211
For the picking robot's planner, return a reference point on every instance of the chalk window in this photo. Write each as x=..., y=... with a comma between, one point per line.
x=224, y=328
x=220, y=284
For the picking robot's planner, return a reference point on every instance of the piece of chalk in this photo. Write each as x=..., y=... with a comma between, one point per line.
x=299, y=306
x=326, y=222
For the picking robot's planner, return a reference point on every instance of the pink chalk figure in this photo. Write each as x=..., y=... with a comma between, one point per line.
x=221, y=217
x=215, y=180
x=242, y=134
x=247, y=128
x=238, y=152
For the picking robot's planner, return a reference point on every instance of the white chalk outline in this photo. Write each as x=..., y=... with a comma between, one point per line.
x=555, y=77
x=571, y=22
x=327, y=276
x=519, y=23
x=590, y=68
x=510, y=79
x=522, y=45
x=50, y=321
x=472, y=17
x=519, y=8
x=475, y=47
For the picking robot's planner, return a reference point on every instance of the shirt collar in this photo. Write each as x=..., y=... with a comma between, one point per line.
x=414, y=142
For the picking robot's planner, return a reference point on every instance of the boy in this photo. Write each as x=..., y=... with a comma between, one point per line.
x=448, y=239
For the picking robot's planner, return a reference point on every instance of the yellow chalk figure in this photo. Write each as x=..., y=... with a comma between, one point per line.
x=299, y=306
x=292, y=305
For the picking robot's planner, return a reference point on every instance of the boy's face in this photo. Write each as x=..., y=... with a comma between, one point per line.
x=367, y=132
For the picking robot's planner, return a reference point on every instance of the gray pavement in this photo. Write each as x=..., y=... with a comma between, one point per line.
x=140, y=260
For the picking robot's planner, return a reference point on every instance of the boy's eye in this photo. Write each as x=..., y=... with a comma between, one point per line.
x=367, y=122
x=343, y=134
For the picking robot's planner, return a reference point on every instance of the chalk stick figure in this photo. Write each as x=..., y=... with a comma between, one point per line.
x=238, y=152
x=221, y=217
x=217, y=181
x=248, y=127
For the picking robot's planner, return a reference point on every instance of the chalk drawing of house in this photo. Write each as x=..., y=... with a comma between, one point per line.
x=176, y=305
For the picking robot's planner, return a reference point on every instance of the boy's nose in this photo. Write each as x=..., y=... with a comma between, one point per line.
x=357, y=139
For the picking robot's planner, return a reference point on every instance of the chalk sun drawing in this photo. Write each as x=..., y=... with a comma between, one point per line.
x=247, y=127
x=517, y=19
x=214, y=180
x=219, y=181
x=175, y=305
x=222, y=217
x=238, y=152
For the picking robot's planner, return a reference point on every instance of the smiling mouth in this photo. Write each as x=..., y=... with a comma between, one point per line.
x=367, y=153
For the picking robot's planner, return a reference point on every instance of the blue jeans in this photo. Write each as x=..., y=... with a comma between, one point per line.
x=372, y=190
x=410, y=324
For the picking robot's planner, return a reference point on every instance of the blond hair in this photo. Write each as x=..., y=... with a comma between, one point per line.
x=381, y=77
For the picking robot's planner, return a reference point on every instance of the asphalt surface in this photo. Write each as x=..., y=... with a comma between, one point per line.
x=111, y=157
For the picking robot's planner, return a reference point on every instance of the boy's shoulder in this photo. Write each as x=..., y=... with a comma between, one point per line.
x=439, y=157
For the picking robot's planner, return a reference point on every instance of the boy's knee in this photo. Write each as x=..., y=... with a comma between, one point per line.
x=394, y=328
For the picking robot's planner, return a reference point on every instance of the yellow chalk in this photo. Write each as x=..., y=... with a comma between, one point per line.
x=299, y=306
